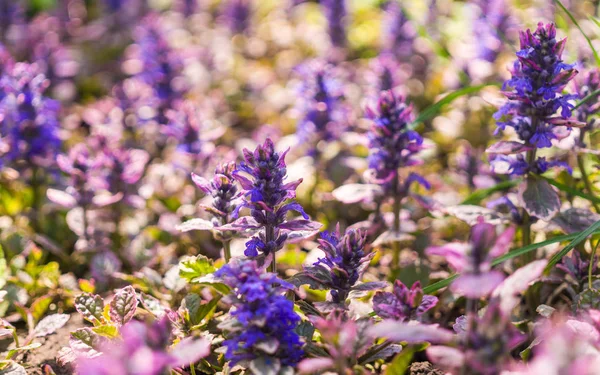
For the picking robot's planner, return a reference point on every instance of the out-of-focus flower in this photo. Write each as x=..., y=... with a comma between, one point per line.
x=237, y=15
x=538, y=79
x=485, y=344
x=491, y=28
x=403, y=303
x=261, y=328
x=323, y=115
x=385, y=73
x=336, y=14
x=398, y=32
x=143, y=350
x=585, y=85
x=28, y=119
x=473, y=260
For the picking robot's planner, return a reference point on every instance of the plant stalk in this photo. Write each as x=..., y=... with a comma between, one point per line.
x=396, y=229
x=586, y=181
x=227, y=250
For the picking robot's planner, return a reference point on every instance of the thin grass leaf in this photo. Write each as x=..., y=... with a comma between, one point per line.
x=596, y=57
x=587, y=98
x=592, y=229
x=436, y=107
x=575, y=237
x=572, y=191
x=477, y=196
x=595, y=20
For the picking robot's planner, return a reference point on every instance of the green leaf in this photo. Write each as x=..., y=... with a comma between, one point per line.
x=580, y=237
x=401, y=362
x=39, y=307
x=87, y=336
x=3, y=268
x=91, y=306
x=194, y=267
x=477, y=196
x=197, y=309
x=107, y=330
x=596, y=57
x=32, y=346
x=439, y=284
x=51, y=324
x=436, y=107
x=212, y=281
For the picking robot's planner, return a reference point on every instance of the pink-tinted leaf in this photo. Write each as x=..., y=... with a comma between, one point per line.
x=517, y=283
x=539, y=198
x=190, y=350
x=354, y=193
x=50, y=324
x=368, y=286
x=507, y=148
x=477, y=286
x=390, y=236
x=312, y=228
x=503, y=243
x=195, y=224
x=571, y=123
x=454, y=253
x=61, y=197
x=301, y=225
x=412, y=333
x=314, y=365
x=103, y=200
x=243, y=223
x=446, y=357
x=123, y=305
x=135, y=166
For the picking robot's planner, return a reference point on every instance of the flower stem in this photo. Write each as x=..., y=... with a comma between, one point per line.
x=586, y=181
x=526, y=226
x=226, y=251
x=591, y=266
x=396, y=228
x=270, y=238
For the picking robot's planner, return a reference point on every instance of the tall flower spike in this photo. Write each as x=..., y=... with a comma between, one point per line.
x=398, y=32
x=262, y=175
x=261, y=332
x=392, y=143
x=28, y=119
x=336, y=14
x=473, y=260
x=324, y=117
x=535, y=95
x=490, y=28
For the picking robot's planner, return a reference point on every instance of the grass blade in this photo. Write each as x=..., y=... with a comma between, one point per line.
x=435, y=108
x=592, y=229
x=587, y=98
x=596, y=57
x=477, y=196
x=439, y=285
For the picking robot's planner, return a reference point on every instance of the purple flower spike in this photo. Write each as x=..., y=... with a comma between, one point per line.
x=473, y=260
x=535, y=96
x=262, y=175
x=336, y=14
x=263, y=319
x=398, y=31
x=28, y=119
x=237, y=15
x=403, y=303
x=392, y=143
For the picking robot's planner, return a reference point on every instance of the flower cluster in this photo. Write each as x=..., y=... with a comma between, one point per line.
x=538, y=78
x=336, y=14
x=345, y=261
x=262, y=176
x=237, y=14
x=490, y=28
x=392, y=143
x=323, y=114
x=403, y=303
x=143, y=351
x=473, y=260
x=262, y=329
x=28, y=119
x=398, y=32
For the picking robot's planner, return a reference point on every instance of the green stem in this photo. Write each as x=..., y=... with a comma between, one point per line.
x=397, y=206
x=591, y=266
x=586, y=181
x=270, y=237
x=192, y=369
x=226, y=251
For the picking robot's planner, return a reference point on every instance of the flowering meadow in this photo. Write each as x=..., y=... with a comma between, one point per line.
x=290, y=187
